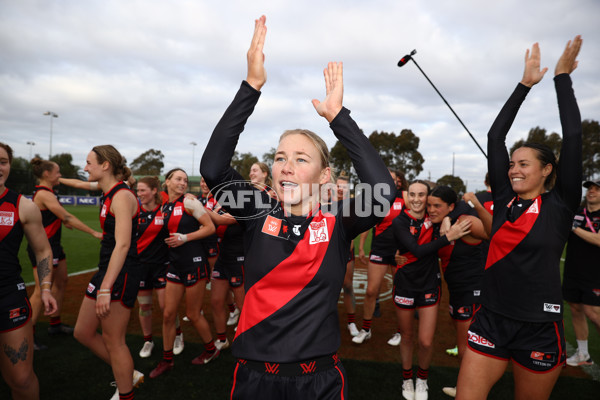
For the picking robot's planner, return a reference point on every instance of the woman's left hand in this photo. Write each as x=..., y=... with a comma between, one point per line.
x=176, y=239
x=334, y=89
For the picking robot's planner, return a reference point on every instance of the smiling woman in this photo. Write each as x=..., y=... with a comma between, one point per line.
x=295, y=255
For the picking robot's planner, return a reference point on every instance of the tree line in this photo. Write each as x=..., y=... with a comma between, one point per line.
x=398, y=151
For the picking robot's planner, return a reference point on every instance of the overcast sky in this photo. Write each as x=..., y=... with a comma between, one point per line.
x=159, y=74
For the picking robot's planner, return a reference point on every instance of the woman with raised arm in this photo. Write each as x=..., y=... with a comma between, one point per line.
x=520, y=318
x=295, y=251
x=112, y=291
x=53, y=216
x=187, y=222
x=20, y=216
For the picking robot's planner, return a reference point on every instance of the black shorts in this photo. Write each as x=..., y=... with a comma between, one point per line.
x=536, y=346
x=125, y=288
x=154, y=276
x=15, y=310
x=188, y=277
x=211, y=247
x=463, y=304
x=58, y=254
x=581, y=292
x=328, y=384
x=232, y=271
x=382, y=259
x=410, y=299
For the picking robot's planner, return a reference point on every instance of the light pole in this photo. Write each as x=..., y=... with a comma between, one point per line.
x=194, y=144
x=31, y=144
x=52, y=116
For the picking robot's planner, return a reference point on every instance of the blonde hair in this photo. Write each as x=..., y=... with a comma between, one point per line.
x=319, y=143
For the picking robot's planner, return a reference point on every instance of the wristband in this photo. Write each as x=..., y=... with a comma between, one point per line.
x=46, y=290
x=471, y=204
x=102, y=294
x=93, y=185
x=46, y=283
x=104, y=290
x=182, y=237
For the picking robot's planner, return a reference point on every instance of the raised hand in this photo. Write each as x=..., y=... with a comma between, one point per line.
x=257, y=75
x=567, y=61
x=532, y=73
x=334, y=92
x=458, y=230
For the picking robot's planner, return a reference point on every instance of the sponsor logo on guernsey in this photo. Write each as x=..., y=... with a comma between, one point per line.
x=7, y=218
x=578, y=218
x=397, y=205
x=197, y=259
x=533, y=209
x=476, y=292
x=475, y=338
x=177, y=211
x=159, y=221
x=103, y=211
x=20, y=286
x=90, y=288
x=596, y=292
x=272, y=226
x=553, y=308
x=406, y=301
x=240, y=258
x=318, y=232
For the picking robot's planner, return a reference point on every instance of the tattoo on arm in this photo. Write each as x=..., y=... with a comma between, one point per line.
x=43, y=268
x=15, y=355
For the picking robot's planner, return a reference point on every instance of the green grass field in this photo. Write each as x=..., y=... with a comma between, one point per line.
x=82, y=250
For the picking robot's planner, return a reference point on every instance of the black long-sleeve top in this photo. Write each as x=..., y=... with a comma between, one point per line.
x=294, y=265
x=522, y=277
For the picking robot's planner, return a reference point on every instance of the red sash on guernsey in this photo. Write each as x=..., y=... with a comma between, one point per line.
x=287, y=279
x=425, y=235
x=511, y=234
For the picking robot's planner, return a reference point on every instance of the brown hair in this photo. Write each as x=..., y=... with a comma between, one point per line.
x=9, y=150
x=39, y=166
x=265, y=168
x=108, y=152
x=317, y=141
x=153, y=183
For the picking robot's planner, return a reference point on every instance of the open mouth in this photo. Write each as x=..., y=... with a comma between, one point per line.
x=286, y=185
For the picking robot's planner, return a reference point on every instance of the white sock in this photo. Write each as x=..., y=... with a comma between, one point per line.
x=582, y=347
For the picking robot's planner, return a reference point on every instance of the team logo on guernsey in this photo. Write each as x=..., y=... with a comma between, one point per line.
x=533, y=209
x=480, y=340
x=7, y=218
x=553, y=308
x=596, y=292
x=159, y=220
x=427, y=224
x=318, y=232
x=177, y=211
x=272, y=226
x=476, y=292
x=103, y=211
x=397, y=205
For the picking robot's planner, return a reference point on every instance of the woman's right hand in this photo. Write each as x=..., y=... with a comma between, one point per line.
x=532, y=74
x=458, y=230
x=257, y=75
x=567, y=61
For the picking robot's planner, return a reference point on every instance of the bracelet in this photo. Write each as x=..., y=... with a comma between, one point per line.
x=104, y=290
x=46, y=290
x=102, y=294
x=46, y=283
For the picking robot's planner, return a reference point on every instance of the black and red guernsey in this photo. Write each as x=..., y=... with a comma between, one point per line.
x=583, y=258
x=11, y=235
x=522, y=276
x=52, y=224
x=178, y=220
x=107, y=223
x=294, y=265
x=414, y=240
x=383, y=242
x=151, y=237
